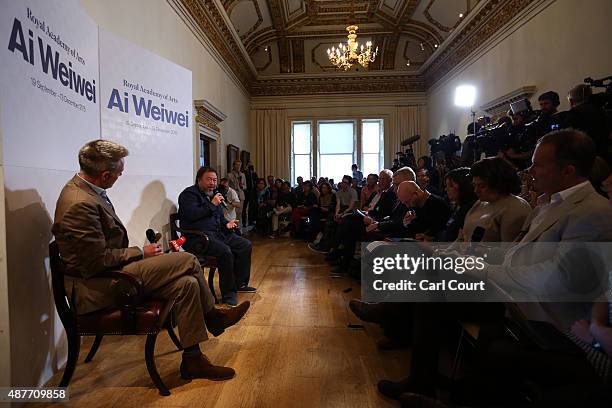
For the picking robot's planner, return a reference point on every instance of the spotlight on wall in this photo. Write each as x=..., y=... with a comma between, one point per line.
x=465, y=95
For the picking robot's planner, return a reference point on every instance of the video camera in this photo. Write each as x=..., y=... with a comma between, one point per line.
x=447, y=144
x=601, y=99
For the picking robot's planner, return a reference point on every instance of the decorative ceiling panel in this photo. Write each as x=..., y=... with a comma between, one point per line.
x=297, y=33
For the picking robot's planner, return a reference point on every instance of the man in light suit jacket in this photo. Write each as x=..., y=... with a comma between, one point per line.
x=92, y=239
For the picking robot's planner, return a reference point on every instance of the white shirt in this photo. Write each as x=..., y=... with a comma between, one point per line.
x=230, y=211
x=555, y=200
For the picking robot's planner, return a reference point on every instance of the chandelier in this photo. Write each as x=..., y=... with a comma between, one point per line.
x=347, y=55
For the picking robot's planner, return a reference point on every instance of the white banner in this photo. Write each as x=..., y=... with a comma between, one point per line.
x=146, y=106
x=48, y=81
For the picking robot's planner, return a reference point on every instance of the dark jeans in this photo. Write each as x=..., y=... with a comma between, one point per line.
x=233, y=255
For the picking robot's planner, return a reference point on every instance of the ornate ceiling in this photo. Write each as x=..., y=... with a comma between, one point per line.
x=278, y=47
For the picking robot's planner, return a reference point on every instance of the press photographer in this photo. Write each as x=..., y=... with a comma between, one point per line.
x=591, y=113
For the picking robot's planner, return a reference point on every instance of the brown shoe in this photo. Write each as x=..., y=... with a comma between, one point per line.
x=198, y=366
x=217, y=320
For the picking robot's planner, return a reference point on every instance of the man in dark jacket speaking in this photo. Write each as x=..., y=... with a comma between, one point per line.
x=201, y=208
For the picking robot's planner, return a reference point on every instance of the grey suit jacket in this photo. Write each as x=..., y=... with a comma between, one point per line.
x=91, y=239
x=544, y=265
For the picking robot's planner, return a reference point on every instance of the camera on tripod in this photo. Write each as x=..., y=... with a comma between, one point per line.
x=405, y=158
x=601, y=99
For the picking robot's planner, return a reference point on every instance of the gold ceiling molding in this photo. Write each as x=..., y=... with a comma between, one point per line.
x=490, y=19
x=210, y=21
x=499, y=106
x=208, y=116
x=340, y=84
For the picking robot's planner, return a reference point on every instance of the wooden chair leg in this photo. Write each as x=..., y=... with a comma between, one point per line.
x=74, y=347
x=94, y=348
x=150, y=360
x=174, y=339
x=211, y=282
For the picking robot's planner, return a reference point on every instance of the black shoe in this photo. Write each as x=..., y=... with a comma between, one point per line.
x=317, y=248
x=412, y=400
x=368, y=312
x=393, y=389
x=247, y=289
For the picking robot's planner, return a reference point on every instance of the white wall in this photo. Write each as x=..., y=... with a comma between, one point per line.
x=5, y=339
x=154, y=25
x=555, y=50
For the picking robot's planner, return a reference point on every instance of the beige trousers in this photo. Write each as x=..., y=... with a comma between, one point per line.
x=178, y=277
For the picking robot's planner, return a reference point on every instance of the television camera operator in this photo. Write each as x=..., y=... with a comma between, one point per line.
x=201, y=209
x=591, y=113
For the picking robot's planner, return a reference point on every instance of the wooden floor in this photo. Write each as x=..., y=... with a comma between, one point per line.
x=293, y=348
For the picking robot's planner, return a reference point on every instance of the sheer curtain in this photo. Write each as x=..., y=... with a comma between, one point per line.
x=272, y=146
x=406, y=121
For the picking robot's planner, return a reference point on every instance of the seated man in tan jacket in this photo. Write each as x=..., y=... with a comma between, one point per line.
x=91, y=239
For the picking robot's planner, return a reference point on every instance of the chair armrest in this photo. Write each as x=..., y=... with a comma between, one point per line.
x=129, y=295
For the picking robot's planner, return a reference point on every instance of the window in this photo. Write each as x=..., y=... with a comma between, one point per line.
x=371, y=146
x=336, y=148
x=328, y=148
x=301, y=151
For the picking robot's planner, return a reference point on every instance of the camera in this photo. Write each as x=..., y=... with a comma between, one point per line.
x=447, y=144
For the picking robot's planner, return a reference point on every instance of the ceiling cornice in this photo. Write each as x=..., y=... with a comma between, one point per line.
x=339, y=84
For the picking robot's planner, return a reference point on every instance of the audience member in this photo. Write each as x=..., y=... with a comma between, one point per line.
x=498, y=210
x=425, y=162
x=357, y=174
x=325, y=210
x=237, y=181
x=369, y=190
x=424, y=181
x=304, y=203
x=249, y=211
x=346, y=198
x=231, y=199
x=284, y=206
x=460, y=192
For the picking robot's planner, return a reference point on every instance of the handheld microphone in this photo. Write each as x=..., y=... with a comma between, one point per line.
x=219, y=191
x=152, y=236
x=176, y=244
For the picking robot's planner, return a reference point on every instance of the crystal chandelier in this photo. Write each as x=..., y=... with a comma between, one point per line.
x=346, y=55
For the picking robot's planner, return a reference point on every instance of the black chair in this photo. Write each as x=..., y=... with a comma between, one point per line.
x=206, y=261
x=134, y=316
